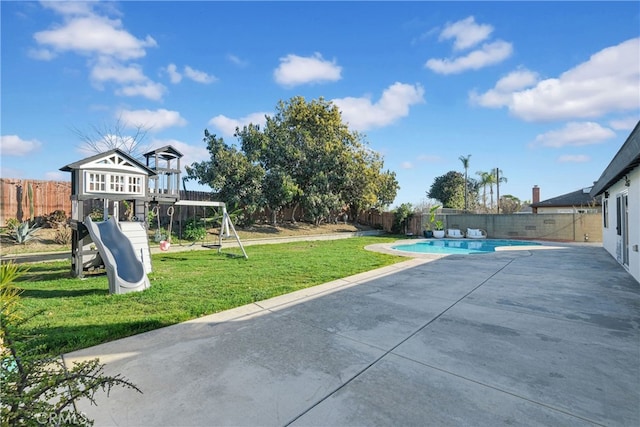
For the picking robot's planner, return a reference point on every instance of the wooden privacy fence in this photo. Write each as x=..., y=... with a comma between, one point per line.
x=47, y=196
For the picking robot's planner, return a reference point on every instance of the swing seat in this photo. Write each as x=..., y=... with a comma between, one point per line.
x=164, y=244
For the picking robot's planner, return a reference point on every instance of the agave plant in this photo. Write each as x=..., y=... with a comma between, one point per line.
x=24, y=232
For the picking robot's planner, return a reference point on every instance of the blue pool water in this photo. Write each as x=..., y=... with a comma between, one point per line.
x=460, y=246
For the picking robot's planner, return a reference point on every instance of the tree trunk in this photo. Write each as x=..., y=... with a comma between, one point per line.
x=491, y=192
x=293, y=213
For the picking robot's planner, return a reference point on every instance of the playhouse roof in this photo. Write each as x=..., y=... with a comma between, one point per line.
x=78, y=165
x=166, y=152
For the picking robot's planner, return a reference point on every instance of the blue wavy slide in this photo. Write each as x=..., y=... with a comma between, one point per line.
x=124, y=270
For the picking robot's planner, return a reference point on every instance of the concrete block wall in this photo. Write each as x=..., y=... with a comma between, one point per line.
x=561, y=227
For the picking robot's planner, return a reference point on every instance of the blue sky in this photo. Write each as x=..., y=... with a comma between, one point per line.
x=545, y=91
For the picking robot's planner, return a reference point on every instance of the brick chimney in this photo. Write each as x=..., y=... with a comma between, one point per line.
x=535, y=197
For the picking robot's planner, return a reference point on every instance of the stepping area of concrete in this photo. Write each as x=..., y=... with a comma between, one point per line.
x=541, y=337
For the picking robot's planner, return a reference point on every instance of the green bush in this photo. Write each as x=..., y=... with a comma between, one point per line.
x=41, y=389
x=194, y=231
x=401, y=216
x=96, y=215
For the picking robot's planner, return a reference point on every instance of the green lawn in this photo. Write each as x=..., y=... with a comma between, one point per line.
x=75, y=313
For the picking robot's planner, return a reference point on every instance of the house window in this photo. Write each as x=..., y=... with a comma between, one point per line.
x=605, y=213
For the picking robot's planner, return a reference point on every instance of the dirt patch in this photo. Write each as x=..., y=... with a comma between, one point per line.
x=298, y=229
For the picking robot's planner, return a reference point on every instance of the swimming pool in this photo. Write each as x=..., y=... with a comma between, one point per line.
x=460, y=246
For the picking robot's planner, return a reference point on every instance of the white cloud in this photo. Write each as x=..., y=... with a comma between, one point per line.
x=67, y=8
x=149, y=90
x=228, y=125
x=502, y=92
x=106, y=69
x=296, y=70
x=627, y=123
x=466, y=33
x=198, y=76
x=13, y=145
x=154, y=121
x=607, y=82
x=488, y=54
x=107, y=37
x=574, y=158
x=104, y=40
x=174, y=75
x=575, y=134
x=362, y=114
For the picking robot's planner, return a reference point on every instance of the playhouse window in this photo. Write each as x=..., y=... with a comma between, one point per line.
x=96, y=182
x=113, y=183
x=135, y=184
x=116, y=183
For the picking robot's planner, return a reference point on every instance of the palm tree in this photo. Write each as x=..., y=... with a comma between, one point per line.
x=465, y=164
x=485, y=179
x=498, y=178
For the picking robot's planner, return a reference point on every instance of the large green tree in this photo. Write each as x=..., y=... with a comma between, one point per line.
x=367, y=186
x=305, y=156
x=510, y=204
x=323, y=164
x=449, y=190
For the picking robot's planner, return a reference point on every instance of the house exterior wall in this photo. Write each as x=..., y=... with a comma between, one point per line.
x=611, y=241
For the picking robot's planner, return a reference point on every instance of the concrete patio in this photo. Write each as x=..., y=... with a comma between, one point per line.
x=541, y=337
